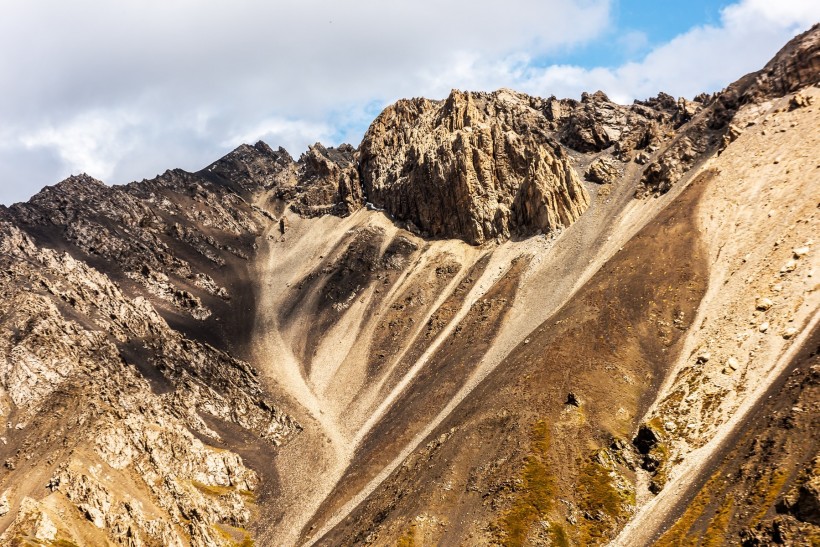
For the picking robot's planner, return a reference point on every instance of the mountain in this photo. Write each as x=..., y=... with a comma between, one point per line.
x=501, y=319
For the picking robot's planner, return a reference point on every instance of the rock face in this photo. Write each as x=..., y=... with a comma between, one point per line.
x=602, y=171
x=796, y=66
x=328, y=183
x=324, y=180
x=89, y=377
x=118, y=411
x=476, y=166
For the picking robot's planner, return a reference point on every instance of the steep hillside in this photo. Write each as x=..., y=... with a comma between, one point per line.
x=502, y=320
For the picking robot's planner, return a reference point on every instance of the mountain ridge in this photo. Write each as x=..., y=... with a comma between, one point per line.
x=522, y=352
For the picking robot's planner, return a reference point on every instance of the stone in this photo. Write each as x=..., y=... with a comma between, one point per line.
x=328, y=182
x=674, y=162
x=763, y=326
x=789, y=266
x=646, y=439
x=731, y=135
x=602, y=171
x=45, y=529
x=789, y=333
x=703, y=357
x=477, y=166
x=763, y=304
x=5, y=505
x=807, y=505
x=800, y=100
x=800, y=251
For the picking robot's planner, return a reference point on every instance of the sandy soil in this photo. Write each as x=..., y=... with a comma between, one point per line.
x=755, y=213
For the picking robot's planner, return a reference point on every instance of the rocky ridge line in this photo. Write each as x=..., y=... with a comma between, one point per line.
x=473, y=167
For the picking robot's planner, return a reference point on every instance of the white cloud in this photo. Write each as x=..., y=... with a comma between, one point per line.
x=126, y=89
x=704, y=59
x=200, y=76
x=94, y=141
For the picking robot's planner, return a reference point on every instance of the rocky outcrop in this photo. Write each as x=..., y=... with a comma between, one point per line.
x=328, y=183
x=602, y=171
x=595, y=124
x=480, y=166
x=675, y=161
x=476, y=166
x=325, y=181
x=98, y=385
x=796, y=66
x=165, y=234
x=252, y=168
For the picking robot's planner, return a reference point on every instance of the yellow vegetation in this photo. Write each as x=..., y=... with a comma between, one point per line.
x=408, y=539
x=676, y=535
x=536, y=492
x=216, y=491
x=599, y=496
x=715, y=535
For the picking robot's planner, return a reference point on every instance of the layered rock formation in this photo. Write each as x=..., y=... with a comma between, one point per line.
x=475, y=166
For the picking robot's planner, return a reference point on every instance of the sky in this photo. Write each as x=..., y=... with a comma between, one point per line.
x=125, y=90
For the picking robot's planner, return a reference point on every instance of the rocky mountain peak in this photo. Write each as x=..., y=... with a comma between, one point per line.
x=328, y=182
x=80, y=187
x=476, y=166
x=795, y=66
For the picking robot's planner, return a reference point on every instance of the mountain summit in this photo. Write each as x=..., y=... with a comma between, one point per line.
x=501, y=320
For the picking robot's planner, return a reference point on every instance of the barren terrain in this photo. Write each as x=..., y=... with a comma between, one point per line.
x=501, y=320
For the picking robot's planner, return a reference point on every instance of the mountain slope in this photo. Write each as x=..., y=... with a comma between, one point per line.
x=500, y=320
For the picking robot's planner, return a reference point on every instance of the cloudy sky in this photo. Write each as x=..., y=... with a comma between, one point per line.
x=124, y=89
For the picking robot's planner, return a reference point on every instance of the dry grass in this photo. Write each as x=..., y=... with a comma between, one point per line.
x=408, y=539
x=536, y=494
x=599, y=497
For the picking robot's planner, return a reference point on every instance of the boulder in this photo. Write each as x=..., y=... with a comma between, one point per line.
x=602, y=171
